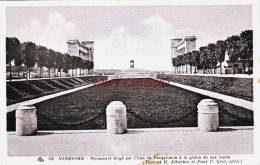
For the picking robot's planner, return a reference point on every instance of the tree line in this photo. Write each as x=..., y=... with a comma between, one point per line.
x=207, y=57
x=30, y=54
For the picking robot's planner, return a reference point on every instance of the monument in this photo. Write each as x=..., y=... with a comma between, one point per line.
x=132, y=64
x=133, y=72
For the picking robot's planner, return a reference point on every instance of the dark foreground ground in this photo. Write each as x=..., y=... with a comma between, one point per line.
x=147, y=107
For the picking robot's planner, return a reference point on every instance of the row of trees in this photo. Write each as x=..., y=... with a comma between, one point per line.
x=237, y=47
x=30, y=54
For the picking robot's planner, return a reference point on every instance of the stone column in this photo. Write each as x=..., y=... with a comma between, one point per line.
x=26, y=120
x=208, y=120
x=116, y=118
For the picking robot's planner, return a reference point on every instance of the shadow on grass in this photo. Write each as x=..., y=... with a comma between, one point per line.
x=133, y=132
x=44, y=133
x=226, y=129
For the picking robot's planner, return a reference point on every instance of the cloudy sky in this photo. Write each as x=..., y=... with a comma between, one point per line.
x=125, y=33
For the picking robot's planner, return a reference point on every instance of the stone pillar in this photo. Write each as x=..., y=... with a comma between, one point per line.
x=208, y=120
x=26, y=120
x=116, y=118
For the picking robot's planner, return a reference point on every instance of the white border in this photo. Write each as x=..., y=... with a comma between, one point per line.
x=256, y=39
x=249, y=159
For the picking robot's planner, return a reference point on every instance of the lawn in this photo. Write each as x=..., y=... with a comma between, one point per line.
x=18, y=91
x=236, y=87
x=148, y=107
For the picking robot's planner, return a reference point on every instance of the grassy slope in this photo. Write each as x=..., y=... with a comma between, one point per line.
x=236, y=87
x=18, y=91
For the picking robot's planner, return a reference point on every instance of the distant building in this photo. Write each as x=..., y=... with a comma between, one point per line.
x=180, y=46
x=84, y=50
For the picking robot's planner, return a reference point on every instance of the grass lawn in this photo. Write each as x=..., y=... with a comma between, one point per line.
x=152, y=105
x=18, y=91
x=237, y=87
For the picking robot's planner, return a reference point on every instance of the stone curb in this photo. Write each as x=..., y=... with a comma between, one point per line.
x=232, y=128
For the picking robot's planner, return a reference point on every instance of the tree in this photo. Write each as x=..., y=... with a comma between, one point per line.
x=50, y=60
x=74, y=64
x=185, y=61
x=80, y=65
x=60, y=60
x=174, y=63
x=177, y=63
x=84, y=66
x=233, y=49
x=13, y=51
x=91, y=65
x=42, y=55
x=189, y=61
x=67, y=63
x=203, y=57
x=71, y=64
x=220, y=52
x=180, y=61
x=195, y=58
x=19, y=60
x=55, y=63
x=30, y=54
x=246, y=47
x=211, y=56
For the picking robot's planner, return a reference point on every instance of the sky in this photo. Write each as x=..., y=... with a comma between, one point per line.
x=121, y=34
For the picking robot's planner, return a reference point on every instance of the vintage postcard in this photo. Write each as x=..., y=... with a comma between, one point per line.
x=130, y=82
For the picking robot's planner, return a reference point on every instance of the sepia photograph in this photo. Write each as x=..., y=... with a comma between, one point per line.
x=103, y=82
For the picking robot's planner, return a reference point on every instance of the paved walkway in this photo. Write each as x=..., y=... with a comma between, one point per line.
x=218, y=75
x=169, y=141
